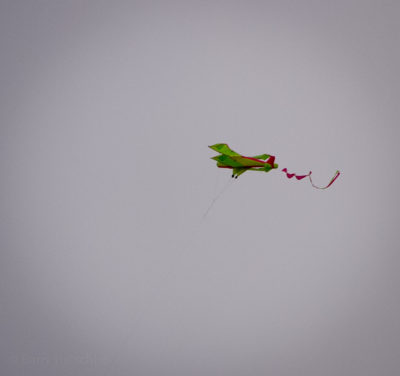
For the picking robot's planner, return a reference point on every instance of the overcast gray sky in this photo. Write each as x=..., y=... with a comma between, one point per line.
x=106, y=111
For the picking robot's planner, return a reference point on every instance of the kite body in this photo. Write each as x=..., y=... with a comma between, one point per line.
x=239, y=164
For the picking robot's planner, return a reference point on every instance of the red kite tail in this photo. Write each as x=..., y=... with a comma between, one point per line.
x=299, y=177
x=337, y=173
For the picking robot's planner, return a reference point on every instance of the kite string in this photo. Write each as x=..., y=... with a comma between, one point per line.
x=113, y=359
x=224, y=189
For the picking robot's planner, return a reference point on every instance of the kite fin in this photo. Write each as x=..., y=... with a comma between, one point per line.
x=271, y=161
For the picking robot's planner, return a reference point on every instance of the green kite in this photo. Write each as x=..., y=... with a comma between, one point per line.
x=239, y=164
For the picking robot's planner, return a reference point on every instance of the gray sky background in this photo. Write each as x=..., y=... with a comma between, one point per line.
x=107, y=108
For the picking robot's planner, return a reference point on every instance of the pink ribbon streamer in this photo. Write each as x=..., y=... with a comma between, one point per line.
x=299, y=177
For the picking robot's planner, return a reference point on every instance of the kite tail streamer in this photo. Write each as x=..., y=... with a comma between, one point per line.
x=299, y=177
x=337, y=173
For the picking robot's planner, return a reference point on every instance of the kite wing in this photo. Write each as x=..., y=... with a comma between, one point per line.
x=261, y=156
x=224, y=149
x=248, y=161
x=225, y=160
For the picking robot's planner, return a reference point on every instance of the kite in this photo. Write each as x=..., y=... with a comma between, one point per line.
x=239, y=164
